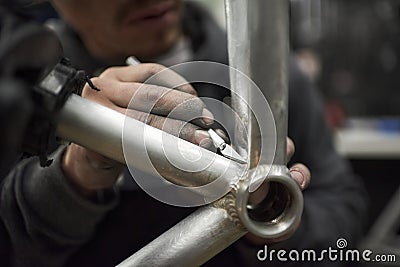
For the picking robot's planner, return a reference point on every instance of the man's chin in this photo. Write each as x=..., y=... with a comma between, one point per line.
x=151, y=47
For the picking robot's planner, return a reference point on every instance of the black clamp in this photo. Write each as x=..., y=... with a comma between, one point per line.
x=49, y=96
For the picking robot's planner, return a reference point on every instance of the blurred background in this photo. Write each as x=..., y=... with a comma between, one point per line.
x=350, y=49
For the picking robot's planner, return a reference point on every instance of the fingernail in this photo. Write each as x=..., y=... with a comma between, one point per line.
x=298, y=176
x=202, y=137
x=208, y=117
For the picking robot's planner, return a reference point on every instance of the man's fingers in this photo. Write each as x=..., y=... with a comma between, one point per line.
x=151, y=99
x=301, y=174
x=122, y=89
x=79, y=164
x=176, y=127
x=184, y=130
x=289, y=148
x=150, y=73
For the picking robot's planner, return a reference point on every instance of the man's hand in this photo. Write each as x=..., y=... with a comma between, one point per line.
x=299, y=172
x=89, y=171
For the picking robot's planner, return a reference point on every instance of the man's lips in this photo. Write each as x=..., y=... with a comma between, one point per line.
x=150, y=13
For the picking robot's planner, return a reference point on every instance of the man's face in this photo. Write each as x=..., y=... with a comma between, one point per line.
x=114, y=29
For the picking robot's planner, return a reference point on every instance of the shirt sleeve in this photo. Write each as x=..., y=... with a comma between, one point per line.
x=45, y=218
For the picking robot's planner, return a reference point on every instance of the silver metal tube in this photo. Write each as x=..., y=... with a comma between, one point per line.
x=239, y=60
x=269, y=46
x=194, y=240
x=101, y=129
x=259, y=47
